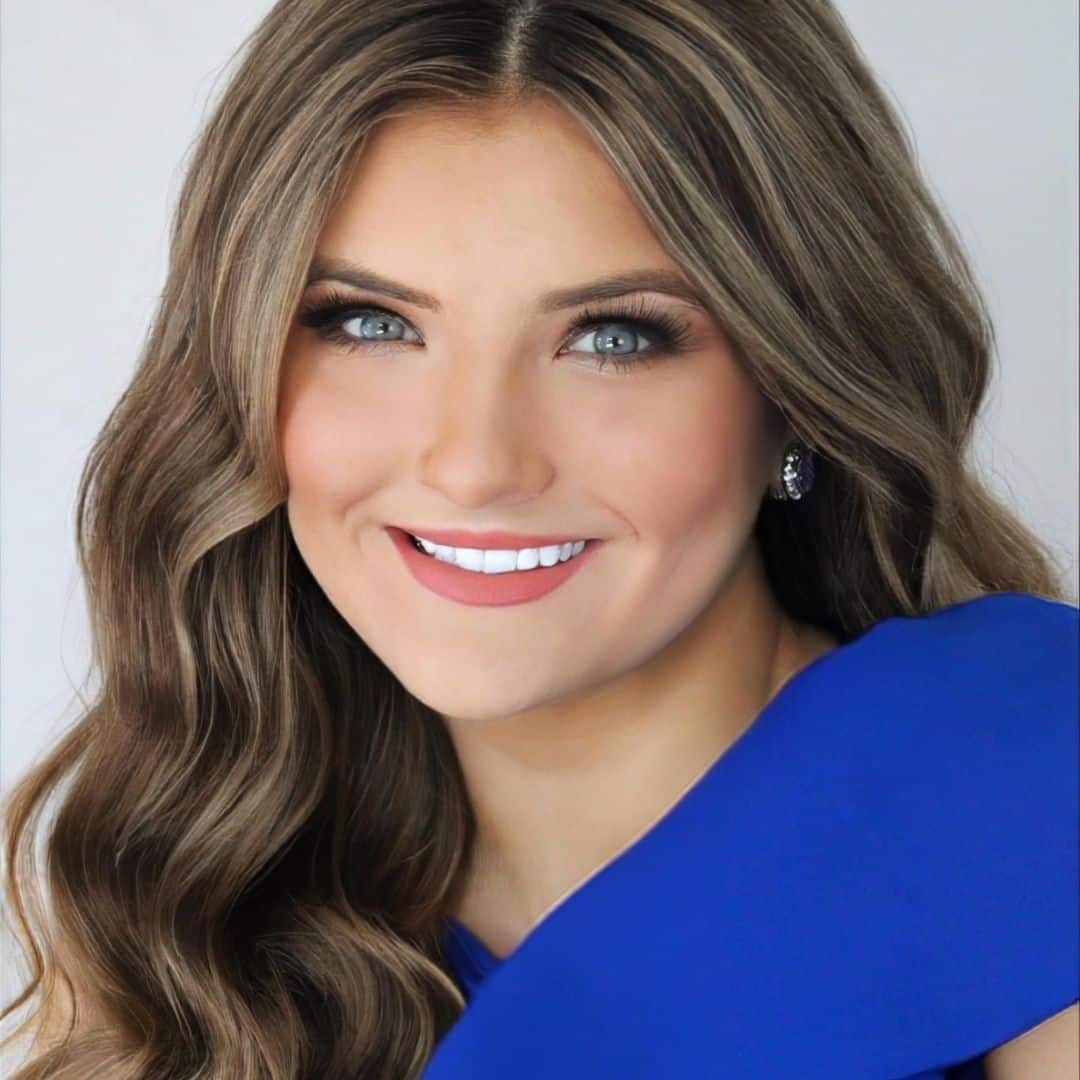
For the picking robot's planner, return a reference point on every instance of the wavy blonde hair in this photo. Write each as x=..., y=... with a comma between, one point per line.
x=261, y=830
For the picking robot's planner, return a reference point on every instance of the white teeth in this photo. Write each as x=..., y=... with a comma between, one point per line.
x=501, y=561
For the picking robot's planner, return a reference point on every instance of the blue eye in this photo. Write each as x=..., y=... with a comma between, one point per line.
x=612, y=330
x=346, y=323
x=343, y=321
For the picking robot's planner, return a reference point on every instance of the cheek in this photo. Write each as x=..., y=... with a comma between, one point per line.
x=690, y=458
x=336, y=449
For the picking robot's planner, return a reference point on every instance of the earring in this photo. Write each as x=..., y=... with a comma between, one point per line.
x=796, y=474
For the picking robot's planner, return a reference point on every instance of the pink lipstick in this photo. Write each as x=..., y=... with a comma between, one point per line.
x=486, y=590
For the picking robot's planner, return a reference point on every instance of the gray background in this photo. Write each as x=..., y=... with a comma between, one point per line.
x=100, y=104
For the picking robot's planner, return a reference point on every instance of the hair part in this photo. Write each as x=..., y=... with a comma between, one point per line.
x=261, y=830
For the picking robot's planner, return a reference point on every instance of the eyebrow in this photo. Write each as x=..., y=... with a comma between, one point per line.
x=330, y=268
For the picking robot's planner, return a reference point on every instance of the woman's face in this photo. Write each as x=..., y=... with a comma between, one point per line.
x=492, y=413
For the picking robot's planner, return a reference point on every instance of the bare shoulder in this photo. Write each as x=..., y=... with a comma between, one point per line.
x=1049, y=1050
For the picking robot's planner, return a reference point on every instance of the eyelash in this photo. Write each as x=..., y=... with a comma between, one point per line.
x=669, y=334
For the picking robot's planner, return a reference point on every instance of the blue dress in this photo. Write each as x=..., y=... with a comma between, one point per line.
x=879, y=879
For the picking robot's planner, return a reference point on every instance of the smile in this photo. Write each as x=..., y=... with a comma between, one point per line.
x=490, y=577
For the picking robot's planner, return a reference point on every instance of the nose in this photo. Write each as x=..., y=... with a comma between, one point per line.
x=490, y=441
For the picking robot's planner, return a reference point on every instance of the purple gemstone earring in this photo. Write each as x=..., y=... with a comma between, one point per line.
x=796, y=474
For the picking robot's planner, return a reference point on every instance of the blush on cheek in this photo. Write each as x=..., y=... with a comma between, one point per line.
x=687, y=462
x=333, y=444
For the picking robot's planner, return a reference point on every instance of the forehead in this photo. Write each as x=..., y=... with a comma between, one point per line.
x=453, y=200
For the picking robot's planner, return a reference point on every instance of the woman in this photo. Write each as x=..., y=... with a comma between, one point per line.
x=548, y=621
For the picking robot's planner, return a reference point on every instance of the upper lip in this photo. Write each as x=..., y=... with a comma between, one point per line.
x=490, y=541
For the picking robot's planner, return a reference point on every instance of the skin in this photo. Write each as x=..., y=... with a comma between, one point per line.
x=1049, y=1050
x=581, y=718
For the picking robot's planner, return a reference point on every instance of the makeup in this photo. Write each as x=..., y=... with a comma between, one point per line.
x=475, y=589
x=667, y=333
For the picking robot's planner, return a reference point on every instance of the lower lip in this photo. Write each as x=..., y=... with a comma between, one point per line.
x=485, y=590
